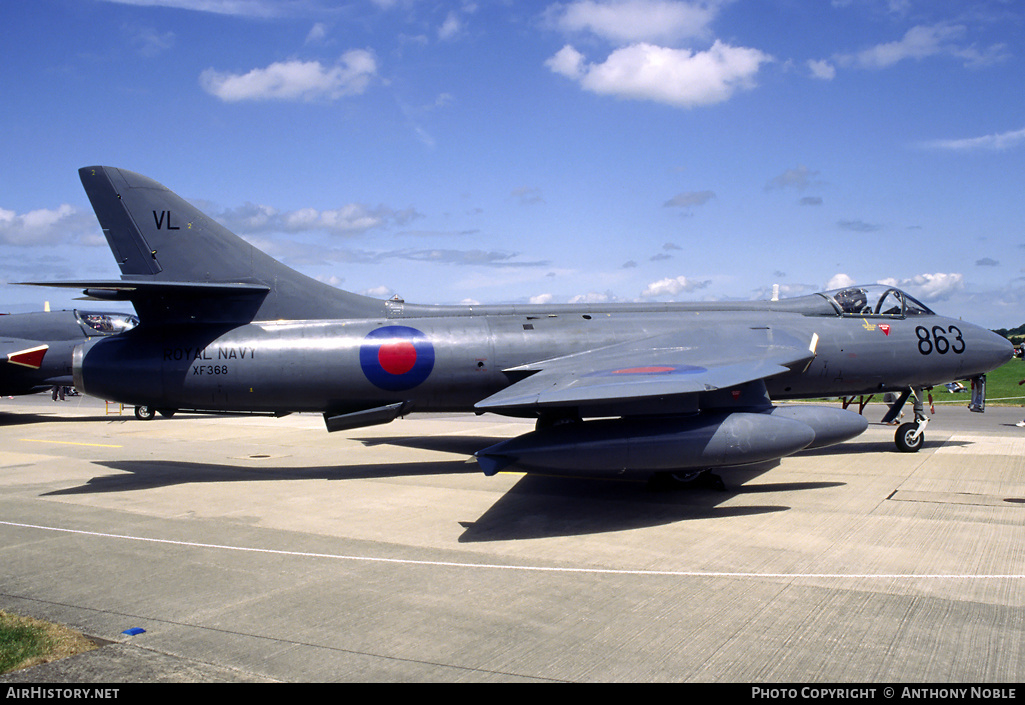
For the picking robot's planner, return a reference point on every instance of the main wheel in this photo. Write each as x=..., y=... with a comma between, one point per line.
x=144, y=412
x=905, y=438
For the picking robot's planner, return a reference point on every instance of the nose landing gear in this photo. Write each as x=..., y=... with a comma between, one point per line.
x=910, y=437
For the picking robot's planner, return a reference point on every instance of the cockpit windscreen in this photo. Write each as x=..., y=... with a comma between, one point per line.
x=108, y=323
x=876, y=300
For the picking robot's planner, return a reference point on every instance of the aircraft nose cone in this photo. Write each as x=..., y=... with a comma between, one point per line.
x=992, y=351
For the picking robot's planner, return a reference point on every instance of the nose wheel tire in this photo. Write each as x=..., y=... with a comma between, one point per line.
x=906, y=440
x=144, y=412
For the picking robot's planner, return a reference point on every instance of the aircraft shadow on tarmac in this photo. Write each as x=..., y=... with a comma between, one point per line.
x=8, y=418
x=146, y=474
x=541, y=506
x=881, y=447
x=537, y=506
x=858, y=447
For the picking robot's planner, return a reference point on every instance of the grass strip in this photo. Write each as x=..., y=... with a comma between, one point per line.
x=25, y=642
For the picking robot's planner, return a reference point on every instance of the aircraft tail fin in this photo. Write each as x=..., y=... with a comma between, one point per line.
x=159, y=238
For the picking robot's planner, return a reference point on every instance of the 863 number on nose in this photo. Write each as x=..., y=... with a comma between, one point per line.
x=940, y=340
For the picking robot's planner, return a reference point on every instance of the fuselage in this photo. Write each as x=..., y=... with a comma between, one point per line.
x=449, y=358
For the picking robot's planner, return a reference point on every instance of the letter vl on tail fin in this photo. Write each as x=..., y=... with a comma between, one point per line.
x=177, y=263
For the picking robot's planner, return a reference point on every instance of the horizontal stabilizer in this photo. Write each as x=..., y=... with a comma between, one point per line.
x=174, y=301
x=125, y=289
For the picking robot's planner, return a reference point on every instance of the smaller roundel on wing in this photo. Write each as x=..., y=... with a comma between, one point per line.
x=396, y=358
x=651, y=370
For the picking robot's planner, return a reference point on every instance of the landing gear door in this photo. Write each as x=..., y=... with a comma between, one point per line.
x=978, y=402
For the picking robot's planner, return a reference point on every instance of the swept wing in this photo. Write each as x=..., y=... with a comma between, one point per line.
x=619, y=377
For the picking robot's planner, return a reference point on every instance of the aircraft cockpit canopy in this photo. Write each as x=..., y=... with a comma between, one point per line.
x=107, y=323
x=876, y=300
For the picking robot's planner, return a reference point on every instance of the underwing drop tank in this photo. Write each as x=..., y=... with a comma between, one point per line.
x=643, y=446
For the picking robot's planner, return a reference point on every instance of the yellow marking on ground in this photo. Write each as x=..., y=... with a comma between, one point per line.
x=69, y=443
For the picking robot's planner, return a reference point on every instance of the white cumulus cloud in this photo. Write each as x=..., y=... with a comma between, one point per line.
x=822, y=69
x=930, y=287
x=353, y=218
x=840, y=281
x=672, y=286
x=678, y=77
x=45, y=226
x=295, y=80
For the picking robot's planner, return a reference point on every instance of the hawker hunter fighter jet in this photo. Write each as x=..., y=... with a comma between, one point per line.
x=35, y=348
x=619, y=390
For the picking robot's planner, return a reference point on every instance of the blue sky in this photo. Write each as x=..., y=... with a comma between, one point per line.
x=513, y=152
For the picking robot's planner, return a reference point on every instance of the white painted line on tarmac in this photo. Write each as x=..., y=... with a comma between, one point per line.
x=526, y=568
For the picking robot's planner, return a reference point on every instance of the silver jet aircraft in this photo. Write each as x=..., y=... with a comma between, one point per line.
x=630, y=389
x=35, y=348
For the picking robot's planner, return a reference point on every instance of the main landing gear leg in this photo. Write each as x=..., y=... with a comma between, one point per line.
x=911, y=436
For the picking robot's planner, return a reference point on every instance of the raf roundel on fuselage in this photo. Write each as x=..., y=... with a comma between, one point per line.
x=396, y=358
